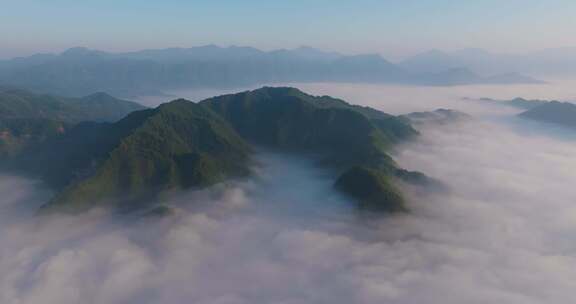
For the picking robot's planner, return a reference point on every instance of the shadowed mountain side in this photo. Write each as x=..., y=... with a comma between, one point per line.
x=27, y=119
x=373, y=190
x=17, y=134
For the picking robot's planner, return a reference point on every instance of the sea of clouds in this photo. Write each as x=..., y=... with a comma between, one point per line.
x=504, y=233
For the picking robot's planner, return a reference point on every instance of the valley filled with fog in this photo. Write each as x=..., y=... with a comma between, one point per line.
x=502, y=233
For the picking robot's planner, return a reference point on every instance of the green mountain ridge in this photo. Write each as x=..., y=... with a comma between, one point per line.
x=179, y=145
x=131, y=164
x=287, y=118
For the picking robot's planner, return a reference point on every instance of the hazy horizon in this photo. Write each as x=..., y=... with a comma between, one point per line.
x=391, y=28
x=395, y=58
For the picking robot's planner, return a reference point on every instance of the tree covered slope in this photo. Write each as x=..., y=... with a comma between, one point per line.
x=130, y=164
x=345, y=136
x=179, y=145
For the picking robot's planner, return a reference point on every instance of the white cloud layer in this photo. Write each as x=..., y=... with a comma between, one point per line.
x=505, y=234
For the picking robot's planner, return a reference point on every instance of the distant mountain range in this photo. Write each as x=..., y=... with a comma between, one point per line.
x=80, y=71
x=545, y=63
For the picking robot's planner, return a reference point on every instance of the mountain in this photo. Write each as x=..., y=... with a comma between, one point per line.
x=179, y=145
x=477, y=60
x=438, y=116
x=17, y=134
x=454, y=76
x=468, y=66
x=288, y=119
x=79, y=71
x=222, y=54
x=465, y=76
x=433, y=61
x=365, y=68
x=130, y=164
x=517, y=102
x=17, y=103
x=557, y=62
x=342, y=136
x=370, y=187
x=104, y=107
x=308, y=53
x=510, y=78
x=27, y=119
x=561, y=113
x=203, y=53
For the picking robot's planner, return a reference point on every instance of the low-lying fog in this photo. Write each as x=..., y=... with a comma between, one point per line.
x=399, y=99
x=504, y=234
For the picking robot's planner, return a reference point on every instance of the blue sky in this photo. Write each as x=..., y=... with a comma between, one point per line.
x=392, y=27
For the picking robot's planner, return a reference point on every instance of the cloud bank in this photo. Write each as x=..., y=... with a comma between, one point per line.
x=503, y=234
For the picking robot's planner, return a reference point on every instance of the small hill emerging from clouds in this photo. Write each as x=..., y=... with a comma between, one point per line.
x=371, y=187
x=439, y=116
x=561, y=113
x=517, y=102
x=129, y=165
